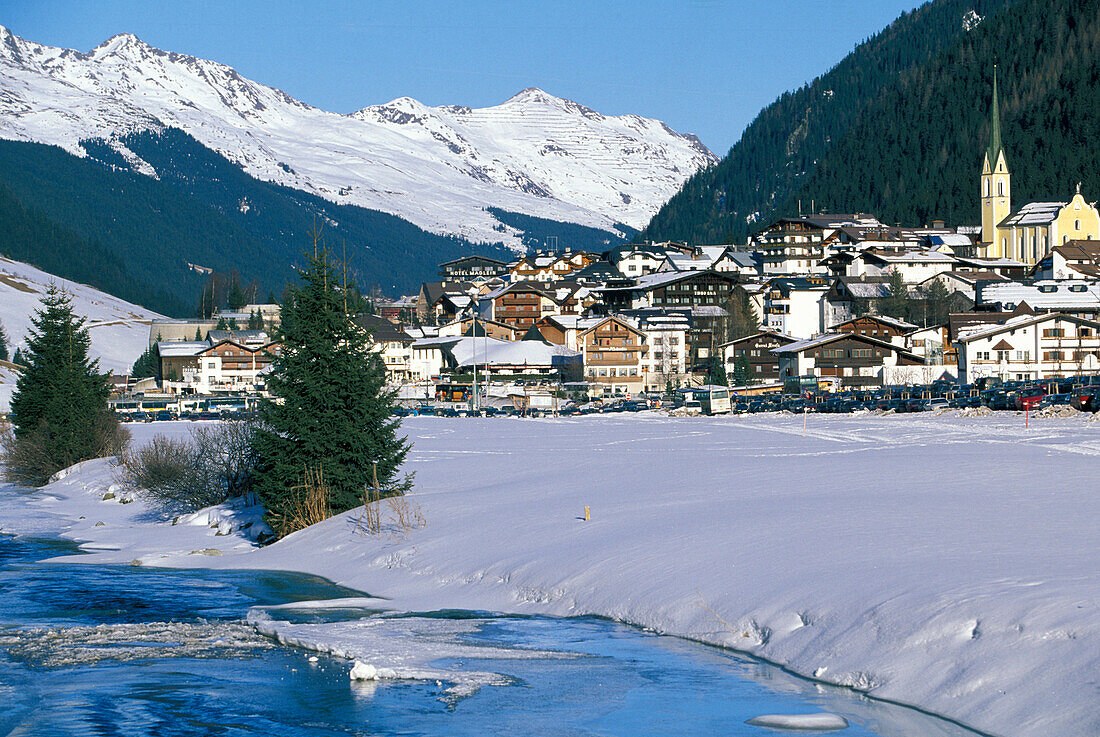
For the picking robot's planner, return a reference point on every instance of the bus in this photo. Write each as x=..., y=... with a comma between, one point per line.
x=713, y=399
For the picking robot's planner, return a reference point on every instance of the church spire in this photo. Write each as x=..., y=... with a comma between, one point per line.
x=995, y=136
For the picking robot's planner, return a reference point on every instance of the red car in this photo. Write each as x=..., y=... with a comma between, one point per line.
x=1029, y=397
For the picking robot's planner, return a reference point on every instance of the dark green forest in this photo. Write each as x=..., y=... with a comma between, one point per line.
x=95, y=221
x=899, y=126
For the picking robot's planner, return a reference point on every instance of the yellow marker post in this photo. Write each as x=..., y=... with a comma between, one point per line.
x=587, y=514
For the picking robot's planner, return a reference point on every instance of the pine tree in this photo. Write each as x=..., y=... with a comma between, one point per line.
x=148, y=363
x=198, y=334
x=3, y=343
x=59, y=409
x=896, y=303
x=18, y=358
x=237, y=300
x=222, y=324
x=716, y=372
x=330, y=411
x=255, y=320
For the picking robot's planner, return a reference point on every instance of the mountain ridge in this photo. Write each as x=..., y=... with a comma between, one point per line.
x=437, y=167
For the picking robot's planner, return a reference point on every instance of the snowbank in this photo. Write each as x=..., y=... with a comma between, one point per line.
x=946, y=562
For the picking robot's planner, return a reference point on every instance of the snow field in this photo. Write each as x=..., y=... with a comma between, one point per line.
x=945, y=562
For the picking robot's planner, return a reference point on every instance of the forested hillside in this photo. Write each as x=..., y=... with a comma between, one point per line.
x=93, y=220
x=916, y=155
x=782, y=150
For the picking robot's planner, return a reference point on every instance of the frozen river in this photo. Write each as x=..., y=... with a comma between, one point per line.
x=124, y=650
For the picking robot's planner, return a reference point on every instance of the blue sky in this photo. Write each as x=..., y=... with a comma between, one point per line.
x=702, y=66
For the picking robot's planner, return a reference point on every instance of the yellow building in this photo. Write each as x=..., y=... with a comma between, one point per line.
x=1026, y=234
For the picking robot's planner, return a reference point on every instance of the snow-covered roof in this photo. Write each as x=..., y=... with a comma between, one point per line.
x=926, y=257
x=505, y=352
x=886, y=320
x=1034, y=213
x=1015, y=323
x=1049, y=294
x=181, y=348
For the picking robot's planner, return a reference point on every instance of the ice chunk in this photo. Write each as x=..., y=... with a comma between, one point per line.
x=821, y=722
x=366, y=672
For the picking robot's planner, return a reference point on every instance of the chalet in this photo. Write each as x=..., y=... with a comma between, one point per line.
x=756, y=350
x=471, y=268
x=1072, y=260
x=857, y=360
x=963, y=282
x=639, y=260
x=441, y=302
x=614, y=353
x=392, y=343
x=549, y=267
x=1030, y=347
x=913, y=265
x=215, y=366
x=705, y=293
x=854, y=295
x=890, y=329
x=470, y=326
x=793, y=246
x=522, y=304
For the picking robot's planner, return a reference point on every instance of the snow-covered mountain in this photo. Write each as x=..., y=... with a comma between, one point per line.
x=437, y=167
x=119, y=330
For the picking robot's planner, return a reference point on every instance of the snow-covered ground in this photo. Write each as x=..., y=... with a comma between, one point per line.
x=119, y=329
x=941, y=561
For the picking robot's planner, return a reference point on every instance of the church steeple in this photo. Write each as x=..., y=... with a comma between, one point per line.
x=995, y=149
x=996, y=185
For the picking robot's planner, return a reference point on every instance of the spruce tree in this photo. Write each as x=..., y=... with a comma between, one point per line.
x=148, y=363
x=896, y=303
x=18, y=359
x=330, y=411
x=198, y=334
x=59, y=409
x=3, y=343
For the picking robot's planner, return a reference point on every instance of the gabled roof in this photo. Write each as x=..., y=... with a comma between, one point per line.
x=820, y=340
x=382, y=330
x=1015, y=323
x=893, y=322
x=610, y=318
x=1048, y=294
x=473, y=257
x=770, y=333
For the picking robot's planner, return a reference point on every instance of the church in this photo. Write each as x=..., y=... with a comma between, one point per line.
x=1028, y=233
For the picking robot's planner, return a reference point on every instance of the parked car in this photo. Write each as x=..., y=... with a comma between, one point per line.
x=1029, y=397
x=1055, y=400
x=1086, y=399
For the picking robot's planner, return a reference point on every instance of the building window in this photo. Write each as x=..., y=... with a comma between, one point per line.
x=1054, y=333
x=861, y=353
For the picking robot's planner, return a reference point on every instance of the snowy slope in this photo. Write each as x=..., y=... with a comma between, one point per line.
x=119, y=330
x=436, y=167
x=945, y=562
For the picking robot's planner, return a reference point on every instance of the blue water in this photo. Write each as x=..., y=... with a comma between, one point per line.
x=119, y=650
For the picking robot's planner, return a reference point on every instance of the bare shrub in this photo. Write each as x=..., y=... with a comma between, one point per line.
x=32, y=459
x=389, y=510
x=170, y=473
x=214, y=464
x=307, y=504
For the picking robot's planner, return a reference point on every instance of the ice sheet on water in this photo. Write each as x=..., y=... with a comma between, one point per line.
x=88, y=645
x=383, y=646
x=821, y=722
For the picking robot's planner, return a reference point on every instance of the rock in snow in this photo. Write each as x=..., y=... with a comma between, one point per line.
x=437, y=167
